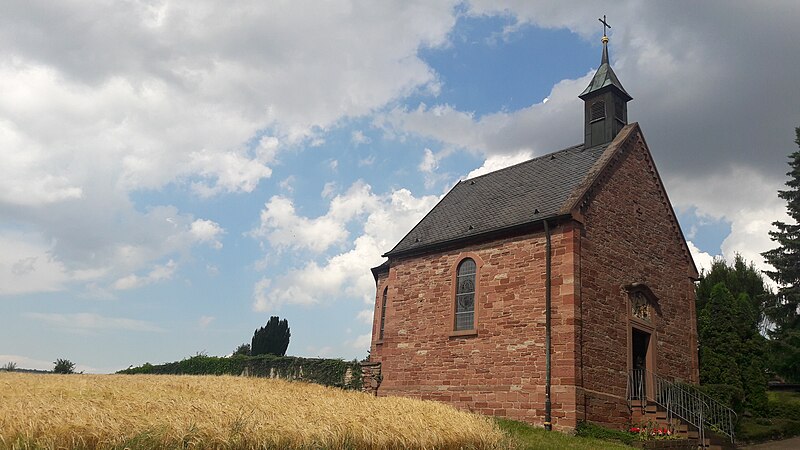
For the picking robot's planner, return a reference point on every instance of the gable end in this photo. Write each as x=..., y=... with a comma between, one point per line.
x=630, y=138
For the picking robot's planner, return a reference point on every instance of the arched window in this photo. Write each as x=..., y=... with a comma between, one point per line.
x=383, y=311
x=465, y=296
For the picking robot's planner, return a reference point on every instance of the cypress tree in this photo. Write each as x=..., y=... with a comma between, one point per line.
x=273, y=338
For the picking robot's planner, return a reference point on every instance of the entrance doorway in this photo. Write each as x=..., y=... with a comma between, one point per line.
x=640, y=343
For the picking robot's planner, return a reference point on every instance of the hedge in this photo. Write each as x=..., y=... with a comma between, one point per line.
x=328, y=372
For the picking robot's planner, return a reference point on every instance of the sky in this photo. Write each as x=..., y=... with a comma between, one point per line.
x=173, y=173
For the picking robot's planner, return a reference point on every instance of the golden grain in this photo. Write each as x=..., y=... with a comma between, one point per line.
x=222, y=412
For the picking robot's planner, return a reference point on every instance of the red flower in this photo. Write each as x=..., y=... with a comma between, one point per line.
x=634, y=430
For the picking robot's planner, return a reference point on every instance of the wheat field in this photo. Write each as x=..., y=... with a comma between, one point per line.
x=222, y=412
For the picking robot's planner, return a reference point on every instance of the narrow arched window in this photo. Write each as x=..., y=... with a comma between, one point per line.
x=465, y=296
x=383, y=311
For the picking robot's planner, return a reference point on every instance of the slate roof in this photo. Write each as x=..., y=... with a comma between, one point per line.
x=517, y=195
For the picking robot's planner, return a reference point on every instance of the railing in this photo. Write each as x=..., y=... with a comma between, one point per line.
x=682, y=401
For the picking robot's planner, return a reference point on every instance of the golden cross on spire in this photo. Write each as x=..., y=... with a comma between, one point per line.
x=605, y=25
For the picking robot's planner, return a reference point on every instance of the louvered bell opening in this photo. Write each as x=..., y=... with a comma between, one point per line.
x=597, y=111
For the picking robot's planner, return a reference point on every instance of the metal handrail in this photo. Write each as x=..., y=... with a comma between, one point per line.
x=683, y=401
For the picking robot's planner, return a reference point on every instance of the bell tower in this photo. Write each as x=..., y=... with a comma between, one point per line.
x=605, y=102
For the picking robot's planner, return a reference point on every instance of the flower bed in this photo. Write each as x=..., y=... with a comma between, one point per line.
x=653, y=437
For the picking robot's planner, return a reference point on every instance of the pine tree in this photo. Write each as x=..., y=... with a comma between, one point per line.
x=273, y=338
x=783, y=312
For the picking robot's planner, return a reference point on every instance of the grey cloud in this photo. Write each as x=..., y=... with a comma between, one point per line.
x=714, y=83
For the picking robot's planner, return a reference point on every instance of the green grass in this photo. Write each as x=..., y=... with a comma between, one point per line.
x=523, y=437
x=784, y=420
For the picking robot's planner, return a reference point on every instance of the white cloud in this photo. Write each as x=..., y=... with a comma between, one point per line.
x=497, y=162
x=94, y=254
x=230, y=172
x=357, y=137
x=88, y=322
x=528, y=130
x=198, y=95
x=283, y=228
x=157, y=274
x=750, y=206
x=267, y=149
x=346, y=274
x=365, y=316
x=702, y=259
x=205, y=321
x=207, y=231
x=288, y=184
x=26, y=265
x=362, y=342
x=368, y=161
x=429, y=165
x=328, y=190
x=429, y=162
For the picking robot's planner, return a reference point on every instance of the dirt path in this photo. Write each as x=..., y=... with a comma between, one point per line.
x=786, y=444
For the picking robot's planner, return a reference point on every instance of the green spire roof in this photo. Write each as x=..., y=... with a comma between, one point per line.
x=605, y=77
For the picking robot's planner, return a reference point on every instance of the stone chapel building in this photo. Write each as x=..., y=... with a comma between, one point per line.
x=579, y=247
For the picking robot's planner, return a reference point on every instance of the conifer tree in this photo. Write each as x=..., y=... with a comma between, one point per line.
x=731, y=348
x=740, y=277
x=783, y=312
x=273, y=338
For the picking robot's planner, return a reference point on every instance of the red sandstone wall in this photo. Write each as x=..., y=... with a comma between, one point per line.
x=630, y=236
x=500, y=370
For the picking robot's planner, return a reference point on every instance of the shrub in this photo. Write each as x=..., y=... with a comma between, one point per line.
x=328, y=372
x=10, y=366
x=64, y=366
x=728, y=395
x=243, y=349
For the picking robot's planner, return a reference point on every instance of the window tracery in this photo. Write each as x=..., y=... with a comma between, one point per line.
x=465, y=295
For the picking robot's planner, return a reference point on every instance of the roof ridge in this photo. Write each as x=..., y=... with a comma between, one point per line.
x=522, y=162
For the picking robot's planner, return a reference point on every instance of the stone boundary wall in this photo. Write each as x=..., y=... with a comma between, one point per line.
x=370, y=377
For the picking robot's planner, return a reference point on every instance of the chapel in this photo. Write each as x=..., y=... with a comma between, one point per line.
x=543, y=291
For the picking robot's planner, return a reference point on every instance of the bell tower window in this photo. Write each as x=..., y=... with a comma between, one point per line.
x=598, y=111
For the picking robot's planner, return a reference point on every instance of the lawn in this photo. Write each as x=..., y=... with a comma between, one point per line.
x=525, y=437
x=784, y=420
